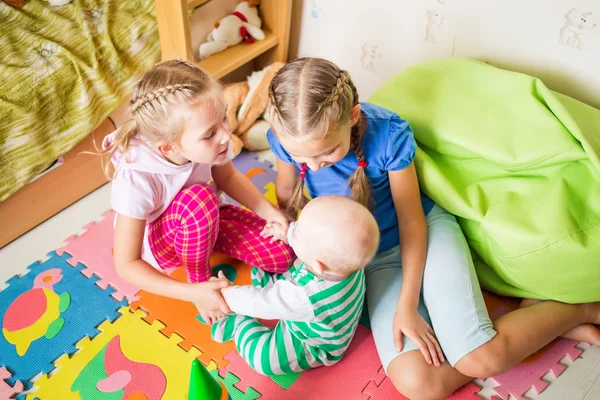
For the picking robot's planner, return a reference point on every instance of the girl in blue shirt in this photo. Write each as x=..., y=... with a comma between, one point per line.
x=423, y=276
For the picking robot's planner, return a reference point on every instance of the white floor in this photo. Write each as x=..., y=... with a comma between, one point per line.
x=581, y=380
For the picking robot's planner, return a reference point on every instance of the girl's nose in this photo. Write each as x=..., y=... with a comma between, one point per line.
x=314, y=166
x=225, y=137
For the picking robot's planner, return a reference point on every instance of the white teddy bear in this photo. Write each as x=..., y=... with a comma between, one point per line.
x=571, y=34
x=434, y=21
x=243, y=24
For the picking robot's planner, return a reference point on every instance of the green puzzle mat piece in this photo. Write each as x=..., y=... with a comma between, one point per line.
x=230, y=380
x=285, y=381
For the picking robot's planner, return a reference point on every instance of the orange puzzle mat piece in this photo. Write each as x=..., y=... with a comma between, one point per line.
x=180, y=316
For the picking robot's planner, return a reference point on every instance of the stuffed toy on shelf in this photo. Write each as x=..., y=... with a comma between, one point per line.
x=246, y=105
x=243, y=24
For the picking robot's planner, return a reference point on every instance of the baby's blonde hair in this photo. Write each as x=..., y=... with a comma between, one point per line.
x=313, y=96
x=158, y=105
x=339, y=232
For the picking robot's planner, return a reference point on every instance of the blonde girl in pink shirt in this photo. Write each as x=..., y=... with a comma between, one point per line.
x=171, y=161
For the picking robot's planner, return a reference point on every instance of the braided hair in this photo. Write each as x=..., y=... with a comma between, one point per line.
x=168, y=87
x=312, y=95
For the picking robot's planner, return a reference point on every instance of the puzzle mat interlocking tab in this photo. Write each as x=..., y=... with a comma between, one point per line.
x=7, y=391
x=180, y=317
x=93, y=248
x=157, y=366
x=359, y=376
x=89, y=307
x=529, y=373
x=258, y=169
x=361, y=372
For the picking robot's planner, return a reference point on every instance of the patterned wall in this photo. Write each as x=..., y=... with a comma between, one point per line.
x=556, y=40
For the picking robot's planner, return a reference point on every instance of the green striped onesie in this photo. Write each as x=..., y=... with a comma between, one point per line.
x=318, y=319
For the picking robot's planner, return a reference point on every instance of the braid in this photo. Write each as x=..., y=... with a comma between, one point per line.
x=354, y=92
x=355, y=143
x=358, y=182
x=337, y=89
x=186, y=63
x=336, y=92
x=274, y=107
x=298, y=200
x=158, y=93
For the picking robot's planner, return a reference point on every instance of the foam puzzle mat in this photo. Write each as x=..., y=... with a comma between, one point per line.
x=73, y=329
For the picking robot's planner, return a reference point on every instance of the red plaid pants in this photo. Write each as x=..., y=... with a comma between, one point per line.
x=194, y=226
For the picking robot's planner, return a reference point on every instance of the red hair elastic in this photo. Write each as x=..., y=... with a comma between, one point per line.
x=303, y=169
x=363, y=164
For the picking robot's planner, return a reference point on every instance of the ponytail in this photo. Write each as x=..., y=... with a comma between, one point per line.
x=120, y=143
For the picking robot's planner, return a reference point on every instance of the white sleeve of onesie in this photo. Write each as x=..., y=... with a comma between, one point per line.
x=283, y=300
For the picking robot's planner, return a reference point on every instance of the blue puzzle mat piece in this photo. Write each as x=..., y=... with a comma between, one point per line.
x=89, y=307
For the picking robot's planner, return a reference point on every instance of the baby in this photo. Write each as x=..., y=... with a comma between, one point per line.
x=318, y=301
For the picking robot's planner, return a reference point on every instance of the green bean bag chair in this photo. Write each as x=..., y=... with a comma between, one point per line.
x=518, y=164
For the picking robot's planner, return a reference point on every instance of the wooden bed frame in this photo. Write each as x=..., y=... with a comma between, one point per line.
x=51, y=193
x=81, y=173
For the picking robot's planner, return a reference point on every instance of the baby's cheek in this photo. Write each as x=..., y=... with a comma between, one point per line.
x=300, y=249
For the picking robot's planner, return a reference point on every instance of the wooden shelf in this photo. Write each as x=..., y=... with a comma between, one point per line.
x=195, y=3
x=173, y=19
x=234, y=57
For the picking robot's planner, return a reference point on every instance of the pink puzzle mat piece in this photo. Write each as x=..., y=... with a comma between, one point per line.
x=7, y=391
x=528, y=374
x=381, y=388
x=523, y=377
x=385, y=390
x=347, y=378
x=359, y=376
x=94, y=250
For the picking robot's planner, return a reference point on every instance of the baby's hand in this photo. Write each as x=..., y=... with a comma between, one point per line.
x=275, y=231
x=208, y=298
x=210, y=317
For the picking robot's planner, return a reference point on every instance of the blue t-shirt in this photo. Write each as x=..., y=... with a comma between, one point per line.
x=388, y=145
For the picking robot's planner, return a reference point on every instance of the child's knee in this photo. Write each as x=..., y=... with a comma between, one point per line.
x=279, y=261
x=198, y=198
x=482, y=363
x=414, y=380
x=200, y=193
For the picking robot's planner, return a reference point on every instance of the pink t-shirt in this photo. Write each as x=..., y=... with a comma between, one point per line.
x=146, y=183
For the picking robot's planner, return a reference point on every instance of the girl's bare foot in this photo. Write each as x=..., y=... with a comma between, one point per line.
x=582, y=333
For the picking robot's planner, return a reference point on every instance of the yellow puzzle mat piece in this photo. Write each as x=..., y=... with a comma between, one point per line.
x=140, y=342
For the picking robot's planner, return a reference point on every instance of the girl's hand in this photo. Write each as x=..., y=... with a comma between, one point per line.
x=208, y=299
x=409, y=322
x=274, y=215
